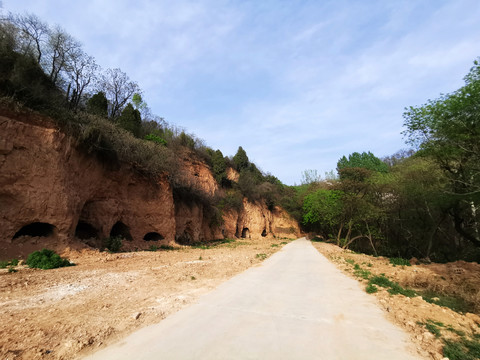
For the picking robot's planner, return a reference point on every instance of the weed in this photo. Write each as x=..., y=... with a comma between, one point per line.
x=350, y=261
x=459, y=332
x=153, y=248
x=200, y=258
x=11, y=269
x=274, y=245
x=284, y=243
x=317, y=239
x=193, y=278
x=261, y=256
x=456, y=304
x=399, y=261
x=462, y=350
x=381, y=281
x=364, y=274
x=434, y=329
x=5, y=264
x=369, y=264
x=166, y=247
x=370, y=289
x=46, y=259
x=393, y=287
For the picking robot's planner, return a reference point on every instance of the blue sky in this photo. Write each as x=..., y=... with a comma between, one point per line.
x=297, y=84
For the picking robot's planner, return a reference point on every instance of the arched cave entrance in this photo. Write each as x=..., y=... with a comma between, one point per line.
x=121, y=230
x=245, y=232
x=264, y=232
x=153, y=236
x=36, y=229
x=85, y=231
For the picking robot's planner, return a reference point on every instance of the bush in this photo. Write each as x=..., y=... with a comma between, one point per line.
x=112, y=243
x=46, y=259
x=156, y=139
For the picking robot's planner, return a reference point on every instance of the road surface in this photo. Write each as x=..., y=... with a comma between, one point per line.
x=296, y=305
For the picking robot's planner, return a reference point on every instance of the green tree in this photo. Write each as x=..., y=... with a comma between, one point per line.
x=365, y=160
x=448, y=130
x=241, y=159
x=130, y=120
x=323, y=210
x=98, y=105
x=219, y=167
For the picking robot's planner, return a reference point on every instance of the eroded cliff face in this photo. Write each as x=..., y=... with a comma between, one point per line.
x=52, y=194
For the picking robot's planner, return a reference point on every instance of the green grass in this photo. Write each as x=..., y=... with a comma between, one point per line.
x=393, y=287
x=274, y=245
x=364, y=274
x=434, y=329
x=399, y=261
x=370, y=289
x=456, y=304
x=350, y=261
x=261, y=256
x=465, y=349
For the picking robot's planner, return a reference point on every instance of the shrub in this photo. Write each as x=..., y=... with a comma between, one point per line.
x=156, y=139
x=4, y=264
x=112, y=243
x=46, y=259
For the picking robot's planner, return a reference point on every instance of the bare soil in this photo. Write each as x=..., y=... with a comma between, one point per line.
x=68, y=312
x=459, y=279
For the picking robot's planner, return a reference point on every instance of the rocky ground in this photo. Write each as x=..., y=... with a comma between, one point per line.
x=431, y=326
x=66, y=313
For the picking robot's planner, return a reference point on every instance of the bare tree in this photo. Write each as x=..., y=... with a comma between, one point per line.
x=81, y=70
x=118, y=89
x=62, y=46
x=34, y=33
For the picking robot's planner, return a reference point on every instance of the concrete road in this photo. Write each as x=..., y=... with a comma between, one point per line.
x=296, y=305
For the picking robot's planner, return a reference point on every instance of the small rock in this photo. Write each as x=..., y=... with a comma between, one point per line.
x=137, y=315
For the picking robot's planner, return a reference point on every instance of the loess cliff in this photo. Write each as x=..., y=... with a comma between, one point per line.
x=53, y=194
